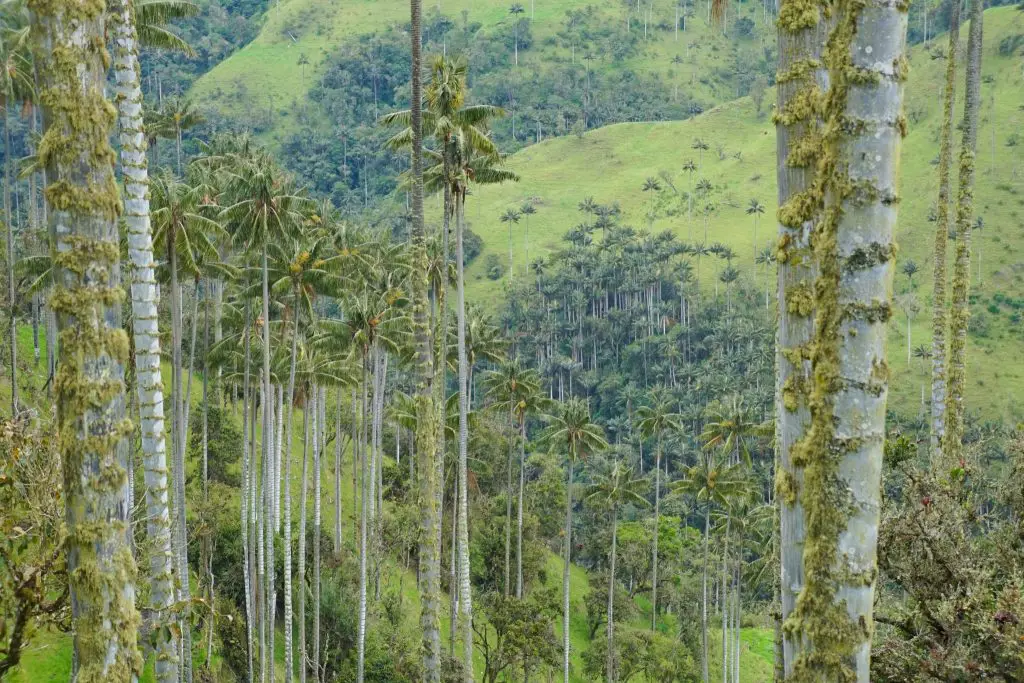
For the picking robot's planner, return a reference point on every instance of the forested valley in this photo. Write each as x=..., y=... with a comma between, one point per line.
x=466, y=341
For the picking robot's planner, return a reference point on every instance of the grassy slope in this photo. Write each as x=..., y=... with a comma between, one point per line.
x=611, y=164
x=265, y=73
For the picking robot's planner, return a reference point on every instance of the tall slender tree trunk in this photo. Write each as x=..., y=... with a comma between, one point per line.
x=856, y=189
x=565, y=572
x=801, y=78
x=465, y=590
x=338, y=451
x=704, y=602
x=426, y=408
x=508, y=502
x=654, y=548
x=519, y=507
x=181, y=529
x=267, y=441
x=960, y=311
x=938, y=407
x=11, y=302
x=363, y=545
x=145, y=328
x=90, y=394
x=289, y=663
x=246, y=466
x=610, y=665
x=301, y=578
x=317, y=449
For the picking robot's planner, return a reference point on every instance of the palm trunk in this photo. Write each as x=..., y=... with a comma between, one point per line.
x=289, y=665
x=704, y=601
x=938, y=407
x=89, y=390
x=145, y=327
x=519, y=507
x=654, y=550
x=465, y=593
x=610, y=666
x=426, y=407
x=508, y=504
x=338, y=450
x=853, y=302
x=10, y=258
x=960, y=312
x=181, y=539
x=361, y=643
x=724, y=604
x=317, y=448
x=565, y=572
x=259, y=514
x=801, y=42
x=246, y=466
x=267, y=438
x=206, y=559
x=301, y=579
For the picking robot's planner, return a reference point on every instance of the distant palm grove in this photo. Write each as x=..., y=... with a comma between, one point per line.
x=277, y=404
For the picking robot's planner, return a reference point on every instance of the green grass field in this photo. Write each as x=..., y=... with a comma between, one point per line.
x=265, y=74
x=611, y=163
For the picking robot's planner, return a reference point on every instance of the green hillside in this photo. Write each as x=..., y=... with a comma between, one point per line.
x=266, y=74
x=611, y=164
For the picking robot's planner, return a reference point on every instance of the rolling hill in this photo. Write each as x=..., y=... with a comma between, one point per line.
x=612, y=163
x=699, y=59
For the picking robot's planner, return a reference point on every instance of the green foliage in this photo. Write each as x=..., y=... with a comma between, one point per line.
x=224, y=446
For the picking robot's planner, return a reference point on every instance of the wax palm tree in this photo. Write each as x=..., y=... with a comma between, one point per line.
x=180, y=115
x=187, y=237
x=16, y=84
x=612, y=487
x=426, y=406
x=713, y=482
x=756, y=209
x=515, y=10
x=510, y=218
x=654, y=421
x=527, y=210
x=132, y=23
x=297, y=267
x=89, y=387
x=570, y=428
x=701, y=146
x=942, y=226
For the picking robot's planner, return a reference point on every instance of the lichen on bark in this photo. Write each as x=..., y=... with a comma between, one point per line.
x=840, y=455
x=84, y=206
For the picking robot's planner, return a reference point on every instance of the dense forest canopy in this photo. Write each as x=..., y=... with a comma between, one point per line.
x=380, y=342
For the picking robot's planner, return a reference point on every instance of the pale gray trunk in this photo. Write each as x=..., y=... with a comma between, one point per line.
x=321, y=394
x=90, y=396
x=704, y=601
x=301, y=581
x=519, y=508
x=259, y=514
x=246, y=466
x=364, y=505
x=610, y=665
x=654, y=547
x=797, y=48
x=960, y=313
x=938, y=407
x=508, y=503
x=289, y=661
x=181, y=531
x=145, y=329
x=854, y=302
x=465, y=592
x=338, y=451
x=567, y=552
